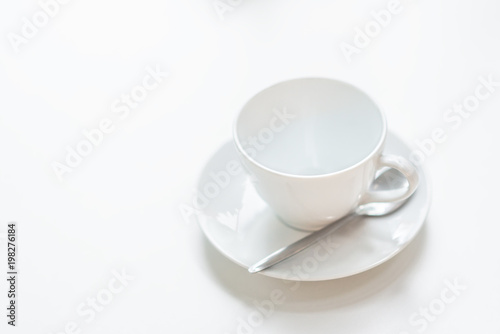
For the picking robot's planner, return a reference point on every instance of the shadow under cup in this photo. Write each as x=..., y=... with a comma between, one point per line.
x=303, y=129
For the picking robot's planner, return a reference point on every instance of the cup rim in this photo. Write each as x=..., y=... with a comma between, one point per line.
x=376, y=149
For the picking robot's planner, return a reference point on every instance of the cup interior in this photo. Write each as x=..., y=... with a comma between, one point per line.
x=308, y=127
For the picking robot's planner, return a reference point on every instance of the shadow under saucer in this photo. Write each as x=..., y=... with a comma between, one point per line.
x=303, y=296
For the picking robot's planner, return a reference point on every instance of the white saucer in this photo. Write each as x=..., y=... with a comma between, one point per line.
x=241, y=226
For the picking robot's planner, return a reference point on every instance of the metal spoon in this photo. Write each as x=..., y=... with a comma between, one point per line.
x=386, y=180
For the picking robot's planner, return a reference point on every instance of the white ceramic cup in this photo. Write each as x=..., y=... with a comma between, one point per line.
x=312, y=147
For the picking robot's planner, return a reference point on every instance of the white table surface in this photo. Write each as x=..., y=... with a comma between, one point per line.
x=119, y=209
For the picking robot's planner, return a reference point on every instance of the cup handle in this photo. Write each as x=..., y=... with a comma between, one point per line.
x=394, y=195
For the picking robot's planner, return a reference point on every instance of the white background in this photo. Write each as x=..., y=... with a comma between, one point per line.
x=119, y=209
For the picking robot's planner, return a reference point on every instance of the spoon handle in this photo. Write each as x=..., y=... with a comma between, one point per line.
x=299, y=245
